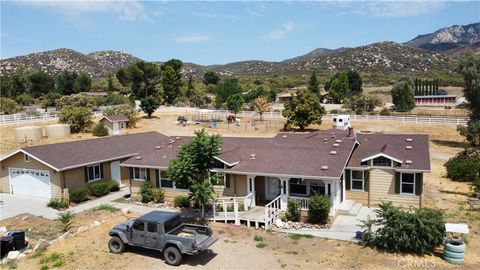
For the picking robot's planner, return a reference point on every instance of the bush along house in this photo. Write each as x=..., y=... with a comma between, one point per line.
x=255, y=173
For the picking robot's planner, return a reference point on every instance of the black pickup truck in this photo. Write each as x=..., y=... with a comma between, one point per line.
x=163, y=231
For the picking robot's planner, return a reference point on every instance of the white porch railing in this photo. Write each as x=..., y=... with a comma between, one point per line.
x=304, y=201
x=223, y=213
x=272, y=209
x=249, y=201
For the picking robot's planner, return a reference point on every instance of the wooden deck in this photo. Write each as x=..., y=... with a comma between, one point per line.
x=253, y=217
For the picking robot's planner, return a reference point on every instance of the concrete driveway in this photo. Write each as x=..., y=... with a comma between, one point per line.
x=12, y=205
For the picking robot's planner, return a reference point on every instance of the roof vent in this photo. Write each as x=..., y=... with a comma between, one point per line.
x=284, y=136
x=158, y=147
x=169, y=145
x=409, y=140
x=408, y=161
x=333, y=152
x=336, y=145
x=324, y=167
x=338, y=141
x=164, y=156
x=408, y=147
x=325, y=140
x=171, y=141
x=138, y=157
x=177, y=138
x=252, y=156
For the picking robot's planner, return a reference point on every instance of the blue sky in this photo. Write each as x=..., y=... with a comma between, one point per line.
x=213, y=32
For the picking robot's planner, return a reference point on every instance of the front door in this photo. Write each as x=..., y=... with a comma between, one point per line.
x=115, y=171
x=272, y=188
x=115, y=128
x=138, y=233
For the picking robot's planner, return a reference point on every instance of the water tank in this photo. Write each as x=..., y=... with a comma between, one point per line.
x=57, y=131
x=342, y=122
x=31, y=133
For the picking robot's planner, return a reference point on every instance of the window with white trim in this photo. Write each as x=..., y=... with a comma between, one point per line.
x=139, y=174
x=164, y=181
x=356, y=180
x=26, y=158
x=382, y=162
x=407, y=183
x=94, y=172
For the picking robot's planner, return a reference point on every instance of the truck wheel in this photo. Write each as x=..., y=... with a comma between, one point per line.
x=172, y=256
x=116, y=245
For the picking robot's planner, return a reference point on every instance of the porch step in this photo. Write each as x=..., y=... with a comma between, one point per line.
x=355, y=209
x=345, y=207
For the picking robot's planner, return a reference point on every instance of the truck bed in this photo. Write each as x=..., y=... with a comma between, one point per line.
x=199, y=233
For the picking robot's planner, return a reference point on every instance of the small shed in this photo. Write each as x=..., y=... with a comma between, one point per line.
x=285, y=97
x=116, y=124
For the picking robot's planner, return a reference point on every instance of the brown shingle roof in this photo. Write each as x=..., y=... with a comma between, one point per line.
x=394, y=145
x=116, y=118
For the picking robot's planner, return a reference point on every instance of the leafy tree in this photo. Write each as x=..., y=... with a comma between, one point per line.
x=228, y=88
x=303, y=110
x=40, y=83
x=407, y=79
x=142, y=78
x=361, y=103
x=235, y=103
x=195, y=159
x=465, y=166
x=149, y=105
x=20, y=81
x=83, y=83
x=171, y=79
x=339, y=88
x=259, y=91
x=313, y=84
x=190, y=86
x=100, y=130
x=25, y=99
x=210, y=77
x=8, y=105
x=261, y=105
x=65, y=82
x=7, y=86
x=49, y=100
x=402, y=96
x=126, y=110
x=202, y=193
x=77, y=100
x=110, y=86
x=471, y=132
x=355, y=82
x=79, y=118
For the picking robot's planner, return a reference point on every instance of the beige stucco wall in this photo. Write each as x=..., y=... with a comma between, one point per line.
x=357, y=196
x=382, y=187
x=75, y=178
x=17, y=161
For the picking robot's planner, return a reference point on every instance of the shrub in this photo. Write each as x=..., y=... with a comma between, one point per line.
x=465, y=166
x=146, y=192
x=79, y=118
x=8, y=105
x=261, y=245
x=100, y=130
x=113, y=186
x=258, y=238
x=418, y=232
x=476, y=185
x=297, y=236
x=66, y=220
x=57, y=204
x=158, y=195
x=182, y=201
x=385, y=112
x=99, y=189
x=107, y=207
x=293, y=210
x=79, y=195
x=318, y=209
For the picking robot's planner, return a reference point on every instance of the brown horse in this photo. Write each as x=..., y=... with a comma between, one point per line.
x=231, y=118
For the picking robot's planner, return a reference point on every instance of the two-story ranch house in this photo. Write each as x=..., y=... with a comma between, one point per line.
x=365, y=168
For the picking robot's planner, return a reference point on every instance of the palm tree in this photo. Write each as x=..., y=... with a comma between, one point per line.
x=261, y=105
x=202, y=193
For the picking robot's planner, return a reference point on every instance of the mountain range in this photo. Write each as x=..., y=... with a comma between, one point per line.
x=436, y=52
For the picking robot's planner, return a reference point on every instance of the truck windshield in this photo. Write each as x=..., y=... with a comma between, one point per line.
x=172, y=224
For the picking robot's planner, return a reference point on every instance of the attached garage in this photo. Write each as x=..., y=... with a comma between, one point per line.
x=28, y=182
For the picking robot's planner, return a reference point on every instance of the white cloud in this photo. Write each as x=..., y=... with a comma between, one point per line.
x=191, y=39
x=214, y=15
x=282, y=31
x=123, y=10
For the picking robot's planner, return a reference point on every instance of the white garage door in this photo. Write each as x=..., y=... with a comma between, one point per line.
x=28, y=182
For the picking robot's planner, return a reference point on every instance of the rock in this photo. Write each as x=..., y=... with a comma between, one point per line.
x=64, y=236
x=82, y=229
x=126, y=210
x=28, y=251
x=4, y=261
x=279, y=223
x=41, y=244
x=24, y=218
x=96, y=223
x=12, y=255
x=22, y=255
x=3, y=229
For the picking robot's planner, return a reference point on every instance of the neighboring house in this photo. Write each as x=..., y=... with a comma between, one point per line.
x=365, y=168
x=116, y=124
x=286, y=97
x=436, y=100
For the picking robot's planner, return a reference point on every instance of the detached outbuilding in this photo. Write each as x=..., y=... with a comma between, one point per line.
x=116, y=124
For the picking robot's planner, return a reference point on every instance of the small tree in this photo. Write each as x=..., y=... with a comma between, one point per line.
x=339, y=88
x=235, y=103
x=465, y=166
x=313, y=84
x=355, y=82
x=210, y=77
x=261, y=106
x=49, y=100
x=79, y=118
x=66, y=220
x=25, y=99
x=77, y=100
x=361, y=103
x=293, y=210
x=202, y=193
x=8, y=105
x=100, y=130
x=318, y=209
x=149, y=105
x=126, y=110
x=83, y=83
x=402, y=96
x=146, y=192
x=303, y=110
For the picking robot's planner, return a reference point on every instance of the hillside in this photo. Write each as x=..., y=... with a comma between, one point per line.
x=448, y=39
